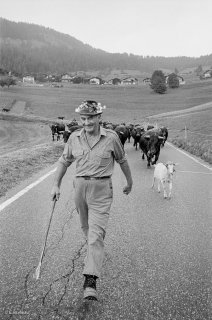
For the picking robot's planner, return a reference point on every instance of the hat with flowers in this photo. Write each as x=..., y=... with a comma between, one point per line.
x=90, y=107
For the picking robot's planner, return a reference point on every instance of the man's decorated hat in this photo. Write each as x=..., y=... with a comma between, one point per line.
x=90, y=107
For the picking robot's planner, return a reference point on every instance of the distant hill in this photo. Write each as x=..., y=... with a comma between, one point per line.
x=29, y=48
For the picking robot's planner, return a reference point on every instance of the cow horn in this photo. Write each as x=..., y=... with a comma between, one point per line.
x=159, y=137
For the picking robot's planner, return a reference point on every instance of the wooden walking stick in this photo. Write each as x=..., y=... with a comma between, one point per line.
x=37, y=271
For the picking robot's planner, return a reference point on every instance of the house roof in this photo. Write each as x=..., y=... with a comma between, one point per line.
x=130, y=78
x=208, y=71
x=95, y=78
x=176, y=75
x=66, y=74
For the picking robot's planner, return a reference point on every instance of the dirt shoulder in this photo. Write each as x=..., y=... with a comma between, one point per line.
x=26, y=147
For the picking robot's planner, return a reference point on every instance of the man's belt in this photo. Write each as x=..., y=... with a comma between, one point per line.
x=93, y=178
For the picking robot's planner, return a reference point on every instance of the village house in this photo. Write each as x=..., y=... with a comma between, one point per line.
x=95, y=80
x=28, y=79
x=114, y=81
x=147, y=80
x=181, y=80
x=129, y=81
x=206, y=74
x=66, y=78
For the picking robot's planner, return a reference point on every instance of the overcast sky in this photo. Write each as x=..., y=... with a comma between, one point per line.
x=144, y=27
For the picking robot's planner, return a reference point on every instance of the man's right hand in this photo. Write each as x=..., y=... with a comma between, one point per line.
x=55, y=193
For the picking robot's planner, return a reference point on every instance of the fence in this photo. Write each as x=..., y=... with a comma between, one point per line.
x=187, y=134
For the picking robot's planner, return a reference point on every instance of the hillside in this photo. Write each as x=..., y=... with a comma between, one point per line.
x=30, y=48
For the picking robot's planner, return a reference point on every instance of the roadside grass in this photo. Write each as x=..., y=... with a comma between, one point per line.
x=22, y=165
x=195, y=147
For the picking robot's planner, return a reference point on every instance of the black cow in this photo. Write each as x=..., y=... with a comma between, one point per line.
x=150, y=126
x=164, y=133
x=123, y=133
x=130, y=127
x=109, y=125
x=57, y=129
x=66, y=134
x=150, y=143
x=72, y=123
x=136, y=134
x=5, y=110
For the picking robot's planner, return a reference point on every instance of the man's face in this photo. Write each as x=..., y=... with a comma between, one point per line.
x=90, y=123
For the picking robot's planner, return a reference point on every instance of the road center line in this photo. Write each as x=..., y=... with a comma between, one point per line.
x=22, y=192
x=189, y=156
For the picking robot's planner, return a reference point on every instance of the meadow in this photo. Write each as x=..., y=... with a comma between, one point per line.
x=28, y=136
x=124, y=103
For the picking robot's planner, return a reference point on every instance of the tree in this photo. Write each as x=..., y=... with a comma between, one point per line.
x=2, y=83
x=7, y=81
x=41, y=78
x=173, y=81
x=199, y=70
x=176, y=71
x=158, y=82
x=77, y=80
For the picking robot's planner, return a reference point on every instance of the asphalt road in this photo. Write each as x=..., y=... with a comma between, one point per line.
x=158, y=253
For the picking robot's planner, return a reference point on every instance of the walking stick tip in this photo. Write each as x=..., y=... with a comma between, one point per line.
x=36, y=275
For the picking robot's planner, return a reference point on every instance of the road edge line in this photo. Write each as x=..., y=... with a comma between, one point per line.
x=25, y=190
x=189, y=156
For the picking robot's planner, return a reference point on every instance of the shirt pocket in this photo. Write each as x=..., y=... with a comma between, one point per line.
x=103, y=159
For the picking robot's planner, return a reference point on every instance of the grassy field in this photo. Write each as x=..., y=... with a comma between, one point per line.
x=131, y=104
x=189, y=129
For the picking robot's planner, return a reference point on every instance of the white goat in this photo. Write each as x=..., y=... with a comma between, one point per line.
x=164, y=174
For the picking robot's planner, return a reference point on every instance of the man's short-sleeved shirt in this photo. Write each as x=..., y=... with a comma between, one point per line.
x=97, y=161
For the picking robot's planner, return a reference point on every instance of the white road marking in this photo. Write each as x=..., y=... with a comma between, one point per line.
x=189, y=156
x=194, y=172
x=22, y=192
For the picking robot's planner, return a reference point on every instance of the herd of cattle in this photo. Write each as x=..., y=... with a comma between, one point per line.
x=149, y=138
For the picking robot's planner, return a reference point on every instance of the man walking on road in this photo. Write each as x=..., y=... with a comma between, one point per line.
x=94, y=149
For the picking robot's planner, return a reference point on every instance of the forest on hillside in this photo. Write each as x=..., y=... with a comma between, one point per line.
x=29, y=48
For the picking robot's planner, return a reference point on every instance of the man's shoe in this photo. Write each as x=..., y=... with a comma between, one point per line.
x=90, y=287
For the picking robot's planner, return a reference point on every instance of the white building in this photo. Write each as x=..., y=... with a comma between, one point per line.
x=29, y=79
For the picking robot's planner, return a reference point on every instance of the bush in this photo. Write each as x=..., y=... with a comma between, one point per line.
x=173, y=81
